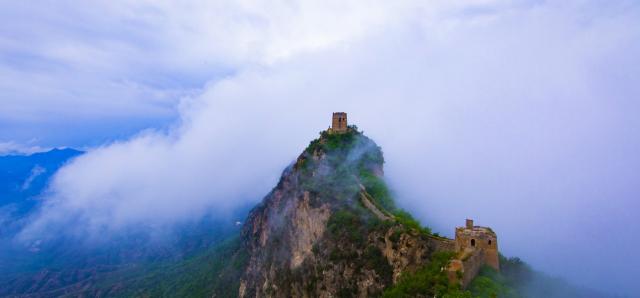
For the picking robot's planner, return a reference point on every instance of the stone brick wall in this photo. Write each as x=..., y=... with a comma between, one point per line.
x=491, y=256
x=442, y=244
x=472, y=264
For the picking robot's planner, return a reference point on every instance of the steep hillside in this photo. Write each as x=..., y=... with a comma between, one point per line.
x=330, y=228
x=183, y=263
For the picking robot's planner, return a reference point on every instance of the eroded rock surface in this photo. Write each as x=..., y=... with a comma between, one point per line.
x=306, y=240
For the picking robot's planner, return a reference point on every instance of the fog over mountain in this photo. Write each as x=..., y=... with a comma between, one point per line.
x=521, y=115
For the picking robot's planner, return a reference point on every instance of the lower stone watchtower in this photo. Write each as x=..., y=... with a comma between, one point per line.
x=481, y=239
x=475, y=246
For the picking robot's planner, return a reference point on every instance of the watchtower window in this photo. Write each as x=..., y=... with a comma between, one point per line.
x=473, y=242
x=489, y=242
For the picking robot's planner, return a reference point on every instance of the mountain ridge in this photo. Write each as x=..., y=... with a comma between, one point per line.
x=331, y=228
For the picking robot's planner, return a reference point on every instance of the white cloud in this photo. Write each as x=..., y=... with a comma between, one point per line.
x=35, y=172
x=10, y=148
x=137, y=58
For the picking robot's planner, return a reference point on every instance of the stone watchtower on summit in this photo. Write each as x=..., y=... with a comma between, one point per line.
x=339, y=122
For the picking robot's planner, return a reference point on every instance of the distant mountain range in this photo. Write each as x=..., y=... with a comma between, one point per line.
x=69, y=265
x=24, y=177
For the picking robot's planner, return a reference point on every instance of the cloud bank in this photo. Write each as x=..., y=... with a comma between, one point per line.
x=522, y=115
x=13, y=148
x=119, y=67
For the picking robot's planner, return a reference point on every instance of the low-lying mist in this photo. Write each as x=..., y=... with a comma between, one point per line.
x=525, y=120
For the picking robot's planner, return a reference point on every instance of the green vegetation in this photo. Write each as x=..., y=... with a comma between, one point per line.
x=489, y=284
x=217, y=271
x=408, y=221
x=517, y=279
x=349, y=230
x=350, y=159
x=330, y=142
x=509, y=283
x=428, y=281
x=352, y=225
x=349, y=225
x=375, y=260
x=377, y=189
x=395, y=236
x=333, y=177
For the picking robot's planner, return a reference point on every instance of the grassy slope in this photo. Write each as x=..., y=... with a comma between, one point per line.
x=216, y=270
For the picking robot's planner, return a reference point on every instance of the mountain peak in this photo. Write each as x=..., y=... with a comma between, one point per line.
x=331, y=227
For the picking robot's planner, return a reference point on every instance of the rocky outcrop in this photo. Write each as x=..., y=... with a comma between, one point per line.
x=308, y=226
x=319, y=234
x=294, y=255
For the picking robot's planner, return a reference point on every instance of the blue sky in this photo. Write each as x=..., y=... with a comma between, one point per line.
x=520, y=114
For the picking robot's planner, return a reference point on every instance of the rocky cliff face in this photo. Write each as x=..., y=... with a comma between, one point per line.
x=328, y=228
